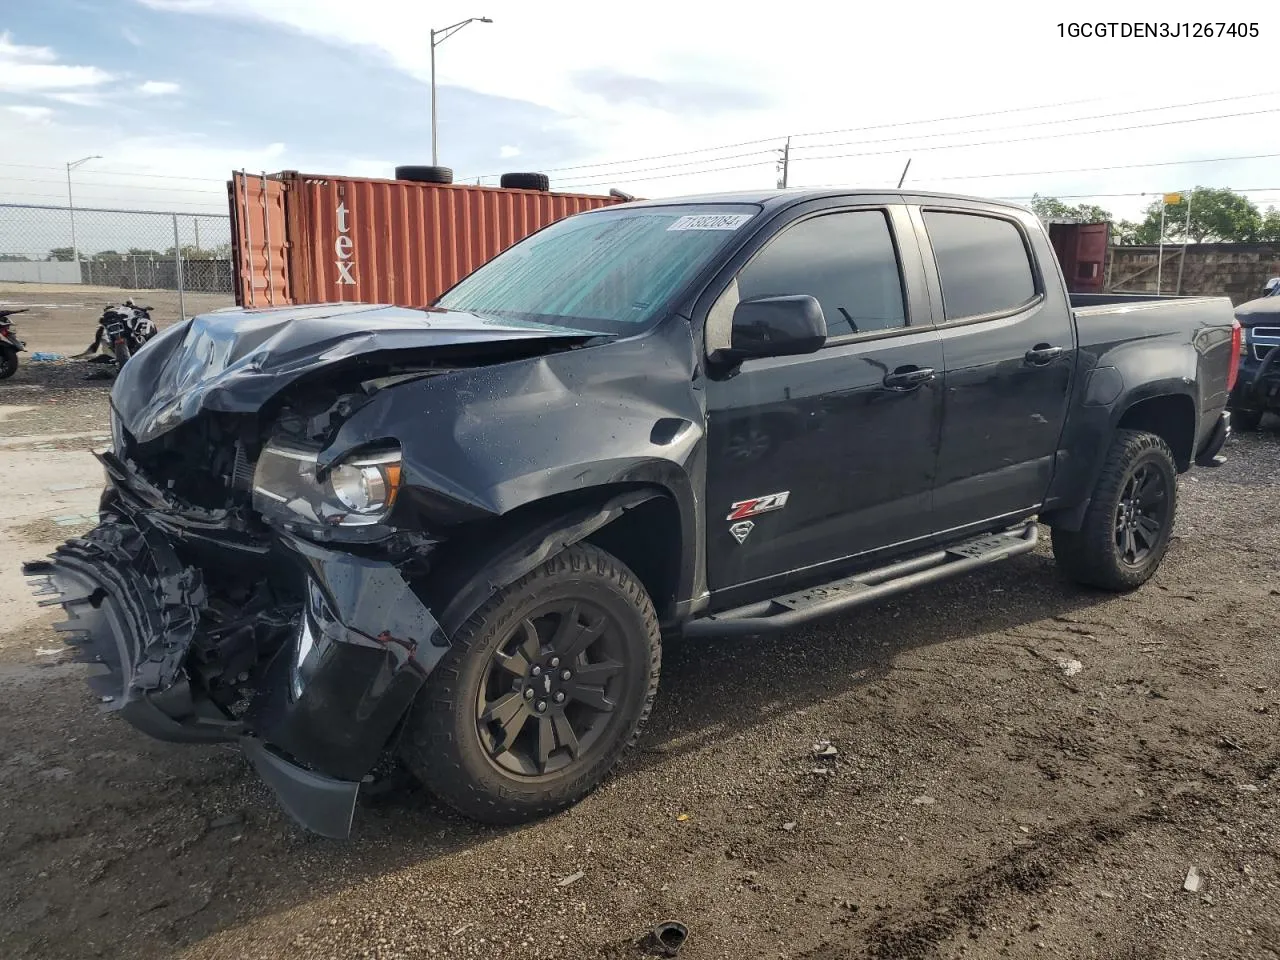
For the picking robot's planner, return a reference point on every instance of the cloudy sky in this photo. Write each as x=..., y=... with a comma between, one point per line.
x=660, y=98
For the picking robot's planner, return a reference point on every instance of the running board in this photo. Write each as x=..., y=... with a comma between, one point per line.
x=794, y=609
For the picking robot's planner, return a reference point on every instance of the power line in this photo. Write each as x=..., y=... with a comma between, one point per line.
x=666, y=176
x=772, y=154
x=1146, y=193
x=816, y=133
x=594, y=179
x=1038, y=123
x=1042, y=136
x=115, y=173
x=20, y=200
x=1122, y=166
x=896, y=124
x=117, y=186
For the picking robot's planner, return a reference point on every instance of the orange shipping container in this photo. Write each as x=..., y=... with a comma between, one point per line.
x=300, y=238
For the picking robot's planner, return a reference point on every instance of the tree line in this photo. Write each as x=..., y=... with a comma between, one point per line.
x=1218, y=215
x=220, y=251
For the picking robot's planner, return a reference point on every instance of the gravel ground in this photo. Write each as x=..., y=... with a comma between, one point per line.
x=1023, y=769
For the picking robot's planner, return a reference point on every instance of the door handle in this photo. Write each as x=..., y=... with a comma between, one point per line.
x=1042, y=353
x=908, y=378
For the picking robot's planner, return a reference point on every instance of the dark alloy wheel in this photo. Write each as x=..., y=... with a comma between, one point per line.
x=1126, y=529
x=1141, y=515
x=550, y=689
x=540, y=691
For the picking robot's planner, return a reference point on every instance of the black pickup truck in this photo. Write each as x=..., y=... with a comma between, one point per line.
x=454, y=537
x=1257, y=388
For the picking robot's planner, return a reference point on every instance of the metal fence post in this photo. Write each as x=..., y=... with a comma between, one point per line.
x=177, y=267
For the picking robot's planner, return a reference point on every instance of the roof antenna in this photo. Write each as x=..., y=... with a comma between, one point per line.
x=902, y=179
x=615, y=192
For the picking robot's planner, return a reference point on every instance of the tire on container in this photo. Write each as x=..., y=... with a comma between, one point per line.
x=526, y=181
x=424, y=174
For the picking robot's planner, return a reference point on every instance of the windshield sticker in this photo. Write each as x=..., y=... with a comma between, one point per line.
x=710, y=221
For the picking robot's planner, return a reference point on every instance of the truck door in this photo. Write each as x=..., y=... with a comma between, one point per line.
x=817, y=458
x=1008, y=343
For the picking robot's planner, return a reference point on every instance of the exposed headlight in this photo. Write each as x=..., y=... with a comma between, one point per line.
x=357, y=492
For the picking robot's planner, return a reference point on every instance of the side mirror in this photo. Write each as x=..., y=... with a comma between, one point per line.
x=1272, y=287
x=776, y=327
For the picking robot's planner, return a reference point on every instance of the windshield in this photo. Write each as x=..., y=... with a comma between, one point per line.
x=609, y=271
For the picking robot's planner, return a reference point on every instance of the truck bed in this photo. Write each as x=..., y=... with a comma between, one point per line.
x=1081, y=301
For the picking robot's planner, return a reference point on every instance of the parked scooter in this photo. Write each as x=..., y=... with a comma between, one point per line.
x=10, y=345
x=122, y=330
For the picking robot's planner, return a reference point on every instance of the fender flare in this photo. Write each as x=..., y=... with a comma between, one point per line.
x=523, y=547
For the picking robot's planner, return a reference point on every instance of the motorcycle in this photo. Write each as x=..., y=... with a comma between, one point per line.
x=10, y=345
x=122, y=330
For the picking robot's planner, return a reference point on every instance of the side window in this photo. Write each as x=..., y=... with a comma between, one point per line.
x=846, y=260
x=982, y=262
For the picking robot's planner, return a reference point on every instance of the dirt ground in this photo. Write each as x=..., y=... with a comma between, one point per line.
x=1024, y=769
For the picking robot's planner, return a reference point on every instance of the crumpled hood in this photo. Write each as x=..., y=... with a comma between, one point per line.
x=1262, y=310
x=235, y=360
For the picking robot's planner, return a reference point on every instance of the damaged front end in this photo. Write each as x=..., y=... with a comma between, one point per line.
x=284, y=486
x=306, y=656
x=220, y=611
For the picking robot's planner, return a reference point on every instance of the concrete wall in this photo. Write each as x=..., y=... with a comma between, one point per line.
x=39, y=271
x=1235, y=270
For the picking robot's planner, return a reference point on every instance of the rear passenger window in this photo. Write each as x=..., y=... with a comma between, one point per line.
x=982, y=262
x=846, y=261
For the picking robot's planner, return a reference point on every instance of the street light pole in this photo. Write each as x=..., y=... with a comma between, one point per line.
x=443, y=34
x=71, y=206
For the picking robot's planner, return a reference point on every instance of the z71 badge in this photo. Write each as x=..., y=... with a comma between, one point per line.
x=750, y=508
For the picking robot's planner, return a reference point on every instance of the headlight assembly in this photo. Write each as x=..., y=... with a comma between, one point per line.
x=359, y=491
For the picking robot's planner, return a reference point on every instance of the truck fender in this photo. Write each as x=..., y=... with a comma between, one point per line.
x=520, y=548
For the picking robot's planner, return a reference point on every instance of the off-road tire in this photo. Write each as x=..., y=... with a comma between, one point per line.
x=1089, y=556
x=121, y=353
x=8, y=362
x=525, y=181
x=417, y=173
x=441, y=745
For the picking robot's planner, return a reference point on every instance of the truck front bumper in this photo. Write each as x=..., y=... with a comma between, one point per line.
x=1258, y=384
x=335, y=673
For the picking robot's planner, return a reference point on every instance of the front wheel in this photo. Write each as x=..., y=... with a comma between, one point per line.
x=1127, y=527
x=8, y=362
x=541, y=690
x=121, y=351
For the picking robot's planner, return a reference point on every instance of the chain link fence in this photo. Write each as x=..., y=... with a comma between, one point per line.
x=127, y=249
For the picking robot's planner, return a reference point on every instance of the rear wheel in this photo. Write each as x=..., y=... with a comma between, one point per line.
x=540, y=691
x=1246, y=419
x=8, y=362
x=1127, y=527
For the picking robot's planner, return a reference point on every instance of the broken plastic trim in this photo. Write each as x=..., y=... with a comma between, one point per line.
x=323, y=805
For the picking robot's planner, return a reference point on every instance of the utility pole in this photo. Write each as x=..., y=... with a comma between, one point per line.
x=444, y=34
x=784, y=164
x=71, y=206
x=1164, y=205
x=1186, y=236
